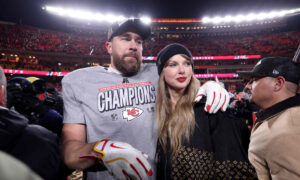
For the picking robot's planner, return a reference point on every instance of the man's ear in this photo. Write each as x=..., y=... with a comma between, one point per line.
x=279, y=83
x=108, y=47
x=2, y=95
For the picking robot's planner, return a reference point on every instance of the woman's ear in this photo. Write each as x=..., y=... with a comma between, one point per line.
x=2, y=96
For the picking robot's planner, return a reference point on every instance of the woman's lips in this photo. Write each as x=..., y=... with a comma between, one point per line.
x=181, y=79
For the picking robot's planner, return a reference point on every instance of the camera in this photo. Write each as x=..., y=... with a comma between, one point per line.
x=22, y=96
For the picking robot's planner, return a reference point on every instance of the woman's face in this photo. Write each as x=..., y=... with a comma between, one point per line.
x=178, y=72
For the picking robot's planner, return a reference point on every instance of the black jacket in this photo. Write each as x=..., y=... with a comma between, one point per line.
x=34, y=145
x=217, y=150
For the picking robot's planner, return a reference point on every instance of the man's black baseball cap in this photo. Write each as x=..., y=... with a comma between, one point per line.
x=274, y=67
x=130, y=25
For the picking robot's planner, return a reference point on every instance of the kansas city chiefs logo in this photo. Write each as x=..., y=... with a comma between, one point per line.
x=132, y=112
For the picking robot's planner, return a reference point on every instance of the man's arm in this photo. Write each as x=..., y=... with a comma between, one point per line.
x=74, y=146
x=121, y=159
x=74, y=130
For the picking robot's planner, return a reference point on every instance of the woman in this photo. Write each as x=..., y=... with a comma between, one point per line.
x=192, y=143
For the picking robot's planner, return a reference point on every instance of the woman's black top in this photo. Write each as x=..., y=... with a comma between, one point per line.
x=216, y=150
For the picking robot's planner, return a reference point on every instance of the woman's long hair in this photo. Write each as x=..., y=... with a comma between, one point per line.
x=177, y=124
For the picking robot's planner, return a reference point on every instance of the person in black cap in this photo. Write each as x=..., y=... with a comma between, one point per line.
x=193, y=144
x=106, y=106
x=274, y=144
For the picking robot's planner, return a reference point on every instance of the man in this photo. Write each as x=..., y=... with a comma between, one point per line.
x=32, y=144
x=106, y=106
x=274, y=144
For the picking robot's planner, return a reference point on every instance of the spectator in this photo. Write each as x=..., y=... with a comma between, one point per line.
x=23, y=96
x=32, y=144
x=64, y=45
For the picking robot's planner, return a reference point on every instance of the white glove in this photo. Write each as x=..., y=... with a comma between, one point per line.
x=217, y=96
x=122, y=160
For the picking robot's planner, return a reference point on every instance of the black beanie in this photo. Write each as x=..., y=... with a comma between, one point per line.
x=167, y=52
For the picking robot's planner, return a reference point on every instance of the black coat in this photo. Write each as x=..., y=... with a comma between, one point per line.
x=217, y=150
x=36, y=146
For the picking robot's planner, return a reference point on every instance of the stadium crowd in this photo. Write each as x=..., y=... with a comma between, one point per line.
x=17, y=37
x=62, y=45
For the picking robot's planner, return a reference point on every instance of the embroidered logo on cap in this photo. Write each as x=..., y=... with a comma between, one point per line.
x=275, y=72
x=258, y=63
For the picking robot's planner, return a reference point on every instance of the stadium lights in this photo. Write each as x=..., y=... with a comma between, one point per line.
x=86, y=15
x=250, y=17
x=146, y=20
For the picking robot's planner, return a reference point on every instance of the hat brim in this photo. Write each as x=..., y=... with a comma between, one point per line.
x=135, y=26
x=248, y=75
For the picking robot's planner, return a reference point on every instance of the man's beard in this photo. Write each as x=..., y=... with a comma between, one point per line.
x=127, y=69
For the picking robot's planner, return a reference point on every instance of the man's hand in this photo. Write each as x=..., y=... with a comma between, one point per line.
x=217, y=96
x=122, y=160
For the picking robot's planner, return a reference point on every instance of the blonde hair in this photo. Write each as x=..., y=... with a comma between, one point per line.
x=177, y=124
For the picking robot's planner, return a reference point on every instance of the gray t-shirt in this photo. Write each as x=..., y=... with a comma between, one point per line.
x=113, y=107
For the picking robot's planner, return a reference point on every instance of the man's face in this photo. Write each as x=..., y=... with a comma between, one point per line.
x=261, y=91
x=126, y=52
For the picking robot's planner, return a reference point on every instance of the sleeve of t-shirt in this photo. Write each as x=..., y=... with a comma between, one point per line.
x=73, y=112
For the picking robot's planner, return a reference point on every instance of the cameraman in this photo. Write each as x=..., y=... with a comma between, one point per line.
x=22, y=95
